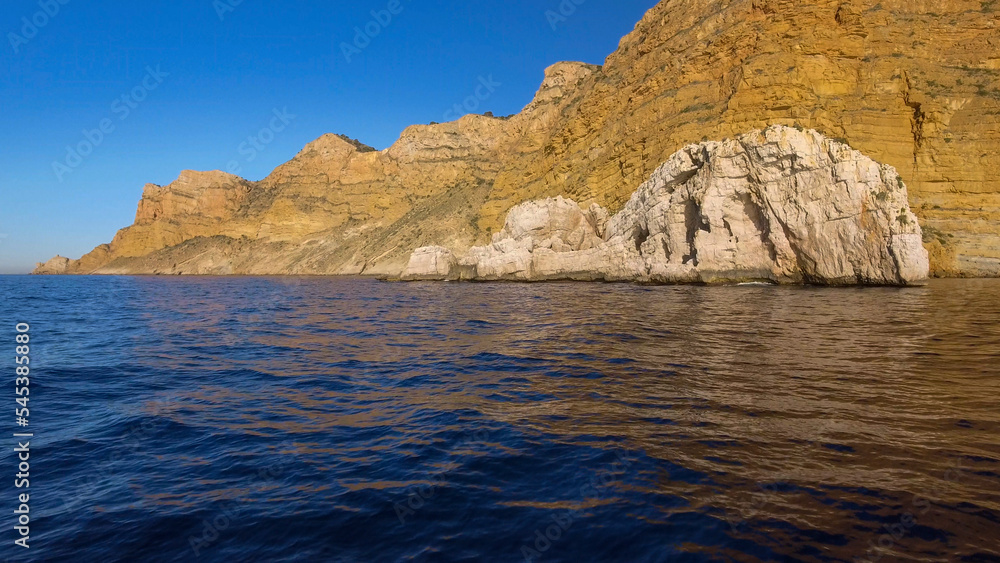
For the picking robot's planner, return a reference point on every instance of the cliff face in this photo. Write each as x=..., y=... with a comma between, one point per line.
x=913, y=84
x=778, y=205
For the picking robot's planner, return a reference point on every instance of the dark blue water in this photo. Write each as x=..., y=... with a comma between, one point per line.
x=351, y=420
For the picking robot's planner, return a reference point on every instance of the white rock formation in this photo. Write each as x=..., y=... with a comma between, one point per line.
x=430, y=263
x=780, y=205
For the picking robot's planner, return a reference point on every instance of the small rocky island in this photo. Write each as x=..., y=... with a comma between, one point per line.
x=780, y=205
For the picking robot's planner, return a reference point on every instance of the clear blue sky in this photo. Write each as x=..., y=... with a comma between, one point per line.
x=65, y=74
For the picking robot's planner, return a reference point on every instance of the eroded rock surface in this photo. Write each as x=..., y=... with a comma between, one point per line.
x=430, y=263
x=778, y=205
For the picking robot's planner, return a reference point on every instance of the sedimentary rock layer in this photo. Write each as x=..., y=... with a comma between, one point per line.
x=912, y=84
x=779, y=205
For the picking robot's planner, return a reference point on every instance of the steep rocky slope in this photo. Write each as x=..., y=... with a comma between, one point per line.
x=913, y=84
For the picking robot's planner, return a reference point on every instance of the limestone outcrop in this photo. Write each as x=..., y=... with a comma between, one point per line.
x=915, y=85
x=778, y=205
x=55, y=266
x=430, y=263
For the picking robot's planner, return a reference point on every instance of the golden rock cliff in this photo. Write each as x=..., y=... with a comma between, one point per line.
x=910, y=83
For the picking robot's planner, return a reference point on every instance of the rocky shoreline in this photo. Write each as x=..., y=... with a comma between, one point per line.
x=780, y=205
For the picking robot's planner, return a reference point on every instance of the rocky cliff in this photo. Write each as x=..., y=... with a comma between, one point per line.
x=779, y=205
x=913, y=84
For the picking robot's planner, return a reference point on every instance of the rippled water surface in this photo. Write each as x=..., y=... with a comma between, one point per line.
x=321, y=419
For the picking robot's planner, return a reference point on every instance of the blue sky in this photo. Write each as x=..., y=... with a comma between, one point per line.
x=158, y=87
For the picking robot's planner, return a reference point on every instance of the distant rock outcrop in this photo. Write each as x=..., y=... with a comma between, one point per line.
x=55, y=266
x=778, y=205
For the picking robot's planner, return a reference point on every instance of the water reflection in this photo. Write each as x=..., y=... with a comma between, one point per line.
x=761, y=422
